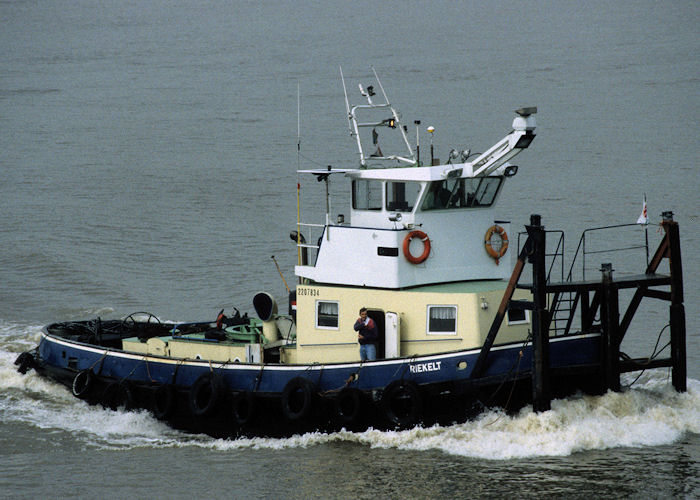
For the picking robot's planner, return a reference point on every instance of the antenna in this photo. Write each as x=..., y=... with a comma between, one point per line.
x=298, y=183
x=298, y=127
x=386, y=99
x=417, y=123
x=347, y=103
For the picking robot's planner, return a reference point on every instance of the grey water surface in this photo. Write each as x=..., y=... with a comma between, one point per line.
x=148, y=157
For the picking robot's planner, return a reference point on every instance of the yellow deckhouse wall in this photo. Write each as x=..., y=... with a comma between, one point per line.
x=326, y=345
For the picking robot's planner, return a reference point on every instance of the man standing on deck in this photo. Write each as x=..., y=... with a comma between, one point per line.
x=367, y=335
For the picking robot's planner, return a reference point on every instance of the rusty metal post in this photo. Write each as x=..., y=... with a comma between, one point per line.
x=677, y=309
x=610, y=318
x=541, y=385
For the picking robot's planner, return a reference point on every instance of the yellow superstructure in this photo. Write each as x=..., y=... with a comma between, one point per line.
x=474, y=305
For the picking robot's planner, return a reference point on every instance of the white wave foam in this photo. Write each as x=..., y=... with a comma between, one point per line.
x=16, y=337
x=651, y=414
x=33, y=400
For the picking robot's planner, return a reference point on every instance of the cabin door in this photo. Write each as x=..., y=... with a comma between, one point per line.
x=392, y=337
x=378, y=317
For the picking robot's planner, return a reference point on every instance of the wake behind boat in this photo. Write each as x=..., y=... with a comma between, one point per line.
x=427, y=263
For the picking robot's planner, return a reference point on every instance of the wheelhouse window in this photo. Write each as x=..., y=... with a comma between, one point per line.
x=366, y=195
x=442, y=320
x=401, y=196
x=518, y=316
x=471, y=192
x=327, y=314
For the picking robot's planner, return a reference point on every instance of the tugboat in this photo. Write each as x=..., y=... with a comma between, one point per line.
x=428, y=265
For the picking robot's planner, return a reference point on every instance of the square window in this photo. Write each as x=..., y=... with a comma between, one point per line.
x=518, y=316
x=366, y=195
x=442, y=320
x=326, y=314
x=401, y=196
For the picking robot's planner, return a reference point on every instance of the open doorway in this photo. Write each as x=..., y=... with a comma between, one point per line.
x=378, y=318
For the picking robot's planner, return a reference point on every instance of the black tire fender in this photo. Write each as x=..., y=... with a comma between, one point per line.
x=163, y=401
x=298, y=398
x=25, y=362
x=242, y=407
x=82, y=384
x=402, y=403
x=348, y=405
x=117, y=395
x=205, y=394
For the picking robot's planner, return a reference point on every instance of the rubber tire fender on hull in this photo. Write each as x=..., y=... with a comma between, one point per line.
x=25, y=362
x=82, y=384
x=117, y=395
x=298, y=399
x=402, y=403
x=349, y=406
x=163, y=401
x=206, y=394
x=242, y=407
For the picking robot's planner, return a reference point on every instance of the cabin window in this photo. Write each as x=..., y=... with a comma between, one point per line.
x=327, y=314
x=442, y=320
x=518, y=316
x=366, y=195
x=401, y=196
x=461, y=193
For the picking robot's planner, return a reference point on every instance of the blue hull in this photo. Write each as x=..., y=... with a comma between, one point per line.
x=436, y=377
x=271, y=379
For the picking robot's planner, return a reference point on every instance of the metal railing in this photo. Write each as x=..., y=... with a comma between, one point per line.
x=312, y=243
x=556, y=256
x=562, y=305
x=582, y=248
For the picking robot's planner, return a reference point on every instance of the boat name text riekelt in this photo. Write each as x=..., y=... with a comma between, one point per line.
x=425, y=367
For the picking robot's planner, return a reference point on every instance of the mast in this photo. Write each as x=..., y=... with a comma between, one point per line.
x=352, y=123
x=393, y=122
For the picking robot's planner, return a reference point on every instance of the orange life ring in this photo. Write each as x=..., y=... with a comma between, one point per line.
x=496, y=254
x=407, y=250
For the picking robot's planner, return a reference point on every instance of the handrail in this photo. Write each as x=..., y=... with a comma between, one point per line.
x=307, y=224
x=305, y=244
x=557, y=253
x=582, y=248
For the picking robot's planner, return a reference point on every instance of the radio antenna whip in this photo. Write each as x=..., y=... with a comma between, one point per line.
x=298, y=128
x=347, y=103
x=298, y=183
